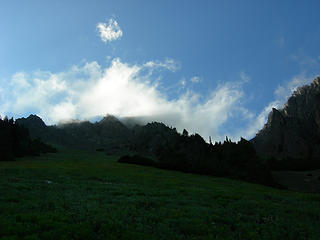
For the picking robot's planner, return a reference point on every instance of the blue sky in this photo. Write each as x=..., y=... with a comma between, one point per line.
x=212, y=67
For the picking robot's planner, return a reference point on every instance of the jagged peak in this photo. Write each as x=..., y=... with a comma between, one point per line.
x=293, y=130
x=314, y=85
x=33, y=120
x=34, y=116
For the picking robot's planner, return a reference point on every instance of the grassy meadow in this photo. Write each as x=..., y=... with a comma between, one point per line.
x=83, y=195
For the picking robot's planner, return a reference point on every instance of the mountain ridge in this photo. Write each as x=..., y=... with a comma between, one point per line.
x=169, y=149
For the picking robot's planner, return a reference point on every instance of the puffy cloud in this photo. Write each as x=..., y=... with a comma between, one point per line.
x=109, y=32
x=63, y=111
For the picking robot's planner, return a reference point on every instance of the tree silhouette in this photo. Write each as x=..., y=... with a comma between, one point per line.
x=16, y=142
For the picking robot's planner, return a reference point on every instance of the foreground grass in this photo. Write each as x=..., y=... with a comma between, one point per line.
x=79, y=195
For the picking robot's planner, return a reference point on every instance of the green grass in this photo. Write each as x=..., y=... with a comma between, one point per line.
x=80, y=195
x=305, y=181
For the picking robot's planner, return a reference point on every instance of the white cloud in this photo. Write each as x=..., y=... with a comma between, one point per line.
x=183, y=82
x=109, y=32
x=244, y=77
x=168, y=64
x=255, y=122
x=284, y=91
x=64, y=111
x=195, y=79
x=19, y=80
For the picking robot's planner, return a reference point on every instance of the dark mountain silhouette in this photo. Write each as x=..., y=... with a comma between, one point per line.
x=168, y=148
x=291, y=136
x=33, y=122
x=152, y=137
x=108, y=134
x=49, y=134
x=37, y=127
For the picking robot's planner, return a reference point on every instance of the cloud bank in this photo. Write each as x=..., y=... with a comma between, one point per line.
x=121, y=89
x=109, y=32
x=90, y=91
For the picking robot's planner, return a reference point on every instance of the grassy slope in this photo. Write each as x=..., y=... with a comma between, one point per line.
x=305, y=181
x=74, y=195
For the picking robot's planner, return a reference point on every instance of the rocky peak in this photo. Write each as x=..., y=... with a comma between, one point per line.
x=33, y=121
x=275, y=119
x=294, y=130
x=304, y=101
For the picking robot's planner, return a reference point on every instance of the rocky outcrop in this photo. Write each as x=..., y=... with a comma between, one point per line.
x=33, y=121
x=37, y=127
x=294, y=130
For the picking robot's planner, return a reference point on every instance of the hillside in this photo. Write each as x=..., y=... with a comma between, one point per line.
x=85, y=195
x=169, y=149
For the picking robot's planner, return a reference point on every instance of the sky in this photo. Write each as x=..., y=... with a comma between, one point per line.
x=212, y=67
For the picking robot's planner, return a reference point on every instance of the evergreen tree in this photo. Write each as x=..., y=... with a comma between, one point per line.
x=16, y=142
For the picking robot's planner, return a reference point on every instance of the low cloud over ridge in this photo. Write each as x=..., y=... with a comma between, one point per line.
x=121, y=89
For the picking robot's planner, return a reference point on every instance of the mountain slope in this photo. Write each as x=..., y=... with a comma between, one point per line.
x=293, y=132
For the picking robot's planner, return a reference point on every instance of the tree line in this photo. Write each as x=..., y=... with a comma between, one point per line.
x=15, y=141
x=190, y=153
